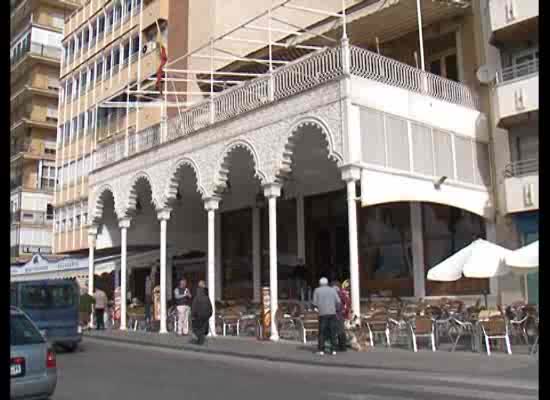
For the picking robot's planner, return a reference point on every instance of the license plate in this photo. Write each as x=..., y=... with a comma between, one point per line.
x=16, y=370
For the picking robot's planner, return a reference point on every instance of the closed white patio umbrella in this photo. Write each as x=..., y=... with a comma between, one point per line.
x=525, y=259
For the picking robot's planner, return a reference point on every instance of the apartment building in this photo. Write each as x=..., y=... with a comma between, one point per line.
x=512, y=73
x=35, y=50
x=107, y=47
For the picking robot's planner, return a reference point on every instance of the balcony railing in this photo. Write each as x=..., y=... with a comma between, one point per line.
x=522, y=168
x=293, y=78
x=518, y=71
x=38, y=50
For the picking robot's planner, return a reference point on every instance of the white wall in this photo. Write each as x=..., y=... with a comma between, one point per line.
x=46, y=37
x=508, y=95
x=522, y=10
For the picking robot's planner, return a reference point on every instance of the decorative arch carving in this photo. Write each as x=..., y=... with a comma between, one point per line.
x=97, y=202
x=173, y=182
x=285, y=163
x=133, y=194
x=223, y=168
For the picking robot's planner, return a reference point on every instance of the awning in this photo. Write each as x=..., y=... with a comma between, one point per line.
x=525, y=259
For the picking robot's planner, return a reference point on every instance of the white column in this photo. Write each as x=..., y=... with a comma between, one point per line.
x=271, y=192
x=123, y=224
x=218, y=256
x=418, y=250
x=256, y=255
x=211, y=205
x=163, y=217
x=92, y=235
x=351, y=174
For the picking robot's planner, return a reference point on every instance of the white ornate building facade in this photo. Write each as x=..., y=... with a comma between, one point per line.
x=356, y=164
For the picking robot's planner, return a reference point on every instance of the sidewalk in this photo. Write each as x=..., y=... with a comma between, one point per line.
x=442, y=361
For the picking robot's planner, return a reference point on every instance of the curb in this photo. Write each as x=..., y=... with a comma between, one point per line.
x=206, y=350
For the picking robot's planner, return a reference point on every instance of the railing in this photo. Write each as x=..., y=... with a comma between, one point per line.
x=522, y=168
x=39, y=50
x=295, y=77
x=373, y=66
x=518, y=71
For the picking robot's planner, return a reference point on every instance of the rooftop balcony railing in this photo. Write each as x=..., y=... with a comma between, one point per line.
x=298, y=76
x=522, y=168
x=518, y=71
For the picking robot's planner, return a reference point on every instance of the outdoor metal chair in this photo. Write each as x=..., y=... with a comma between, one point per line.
x=495, y=328
x=309, y=324
x=230, y=320
x=422, y=326
x=378, y=324
x=462, y=328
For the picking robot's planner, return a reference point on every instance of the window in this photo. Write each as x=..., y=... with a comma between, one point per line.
x=22, y=331
x=100, y=26
x=90, y=121
x=99, y=70
x=128, y=7
x=445, y=65
x=46, y=296
x=91, y=79
x=85, y=38
x=49, y=212
x=92, y=33
x=135, y=45
x=116, y=57
x=83, y=81
x=126, y=52
x=110, y=17
x=76, y=86
x=28, y=216
x=81, y=123
x=48, y=177
x=108, y=60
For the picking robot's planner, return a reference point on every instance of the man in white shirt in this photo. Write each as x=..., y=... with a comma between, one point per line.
x=182, y=296
x=100, y=306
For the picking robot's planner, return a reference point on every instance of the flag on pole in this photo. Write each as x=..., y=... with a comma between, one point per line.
x=163, y=59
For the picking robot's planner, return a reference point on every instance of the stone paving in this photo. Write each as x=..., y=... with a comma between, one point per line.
x=517, y=365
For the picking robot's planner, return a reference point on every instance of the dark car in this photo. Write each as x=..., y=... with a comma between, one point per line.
x=33, y=371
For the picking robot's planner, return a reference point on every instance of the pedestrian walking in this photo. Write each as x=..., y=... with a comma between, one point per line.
x=148, y=299
x=327, y=302
x=201, y=311
x=85, y=308
x=342, y=314
x=100, y=306
x=182, y=297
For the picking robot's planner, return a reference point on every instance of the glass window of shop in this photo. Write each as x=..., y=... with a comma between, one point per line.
x=236, y=254
x=326, y=237
x=385, y=253
x=446, y=231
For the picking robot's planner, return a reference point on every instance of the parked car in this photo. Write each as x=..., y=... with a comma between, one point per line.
x=33, y=371
x=53, y=306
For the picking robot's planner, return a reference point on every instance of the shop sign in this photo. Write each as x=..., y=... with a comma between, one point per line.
x=39, y=264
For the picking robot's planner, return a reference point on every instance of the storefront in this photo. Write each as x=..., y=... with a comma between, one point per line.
x=527, y=225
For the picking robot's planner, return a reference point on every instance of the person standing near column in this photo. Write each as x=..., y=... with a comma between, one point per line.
x=201, y=311
x=182, y=297
x=100, y=305
x=327, y=302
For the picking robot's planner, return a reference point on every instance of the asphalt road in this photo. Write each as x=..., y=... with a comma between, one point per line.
x=109, y=371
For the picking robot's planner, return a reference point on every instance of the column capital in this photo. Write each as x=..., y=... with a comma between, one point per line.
x=211, y=203
x=272, y=190
x=124, y=223
x=92, y=231
x=164, y=214
x=351, y=172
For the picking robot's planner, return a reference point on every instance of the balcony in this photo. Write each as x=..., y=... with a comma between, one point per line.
x=521, y=186
x=299, y=76
x=36, y=50
x=517, y=92
x=513, y=20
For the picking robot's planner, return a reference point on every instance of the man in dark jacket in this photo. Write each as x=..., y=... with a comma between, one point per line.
x=201, y=311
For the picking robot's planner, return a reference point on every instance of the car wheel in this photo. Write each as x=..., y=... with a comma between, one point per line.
x=70, y=347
